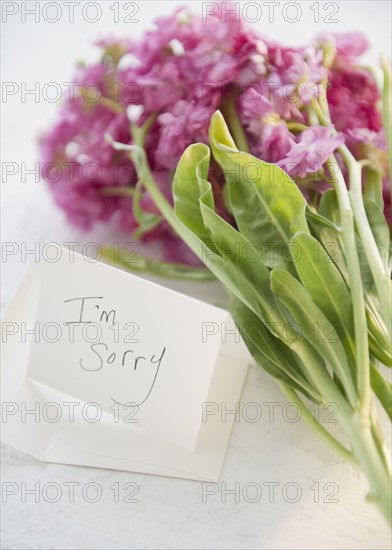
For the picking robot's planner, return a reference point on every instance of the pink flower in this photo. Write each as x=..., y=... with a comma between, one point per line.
x=275, y=141
x=187, y=122
x=160, y=88
x=352, y=97
x=180, y=72
x=312, y=149
x=349, y=45
x=77, y=161
x=296, y=72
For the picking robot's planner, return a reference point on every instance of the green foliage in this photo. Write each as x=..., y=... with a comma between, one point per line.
x=288, y=272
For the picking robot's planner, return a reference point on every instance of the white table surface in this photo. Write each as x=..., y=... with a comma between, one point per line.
x=169, y=513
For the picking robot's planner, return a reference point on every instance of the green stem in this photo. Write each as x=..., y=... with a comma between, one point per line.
x=139, y=132
x=381, y=277
x=350, y=206
x=358, y=429
x=138, y=155
x=158, y=197
x=366, y=451
x=317, y=427
x=229, y=111
x=386, y=109
x=358, y=301
x=111, y=104
x=379, y=440
x=158, y=267
x=296, y=127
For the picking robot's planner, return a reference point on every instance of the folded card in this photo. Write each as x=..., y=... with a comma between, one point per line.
x=120, y=372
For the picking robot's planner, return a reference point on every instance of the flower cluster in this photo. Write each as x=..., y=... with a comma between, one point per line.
x=175, y=78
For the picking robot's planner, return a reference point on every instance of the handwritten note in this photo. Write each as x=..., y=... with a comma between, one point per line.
x=114, y=339
x=104, y=341
x=145, y=367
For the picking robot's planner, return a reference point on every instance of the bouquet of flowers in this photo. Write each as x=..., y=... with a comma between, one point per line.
x=267, y=167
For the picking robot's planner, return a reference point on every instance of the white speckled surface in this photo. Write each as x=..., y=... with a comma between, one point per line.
x=169, y=513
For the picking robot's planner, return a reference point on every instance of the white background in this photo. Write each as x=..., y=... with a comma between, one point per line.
x=170, y=513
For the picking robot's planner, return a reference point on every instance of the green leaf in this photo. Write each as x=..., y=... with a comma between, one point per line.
x=326, y=286
x=229, y=255
x=330, y=239
x=379, y=227
x=380, y=344
x=380, y=352
x=373, y=187
x=257, y=186
x=314, y=326
x=366, y=274
x=191, y=170
x=382, y=388
x=223, y=247
x=318, y=219
x=329, y=207
x=332, y=242
x=271, y=353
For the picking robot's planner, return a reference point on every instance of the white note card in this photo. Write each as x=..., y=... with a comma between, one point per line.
x=139, y=360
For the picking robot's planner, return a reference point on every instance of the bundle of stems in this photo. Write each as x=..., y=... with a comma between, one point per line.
x=321, y=299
